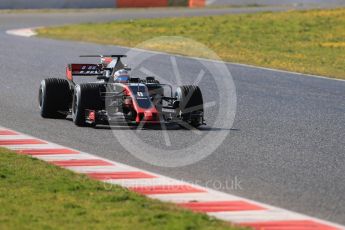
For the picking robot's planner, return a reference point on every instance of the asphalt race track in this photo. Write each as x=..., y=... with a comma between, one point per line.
x=286, y=145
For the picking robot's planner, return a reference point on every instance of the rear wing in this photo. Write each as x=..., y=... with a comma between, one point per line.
x=105, y=58
x=93, y=69
x=83, y=70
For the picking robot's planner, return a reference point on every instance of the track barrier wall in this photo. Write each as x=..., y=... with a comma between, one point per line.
x=42, y=4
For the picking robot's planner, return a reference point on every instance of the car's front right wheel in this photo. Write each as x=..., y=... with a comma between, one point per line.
x=191, y=105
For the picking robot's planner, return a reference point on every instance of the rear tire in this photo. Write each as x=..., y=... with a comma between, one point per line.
x=54, y=98
x=191, y=105
x=86, y=96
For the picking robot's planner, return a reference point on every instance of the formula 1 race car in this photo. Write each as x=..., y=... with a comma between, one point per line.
x=116, y=93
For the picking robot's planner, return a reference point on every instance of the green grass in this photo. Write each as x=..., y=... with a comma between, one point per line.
x=37, y=195
x=304, y=41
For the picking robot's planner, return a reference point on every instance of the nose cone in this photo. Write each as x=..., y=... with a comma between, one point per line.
x=148, y=116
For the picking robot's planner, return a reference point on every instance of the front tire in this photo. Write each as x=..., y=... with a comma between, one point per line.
x=86, y=96
x=191, y=105
x=54, y=98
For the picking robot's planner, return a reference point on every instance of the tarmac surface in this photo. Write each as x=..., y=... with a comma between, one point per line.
x=285, y=146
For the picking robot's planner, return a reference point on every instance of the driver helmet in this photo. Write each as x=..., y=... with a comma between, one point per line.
x=121, y=76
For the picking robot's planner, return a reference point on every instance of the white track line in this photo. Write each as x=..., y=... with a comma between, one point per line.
x=192, y=197
x=24, y=32
x=145, y=182
x=29, y=32
x=233, y=63
x=14, y=137
x=65, y=157
x=100, y=169
x=196, y=195
x=257, y=216
x=33, y=146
